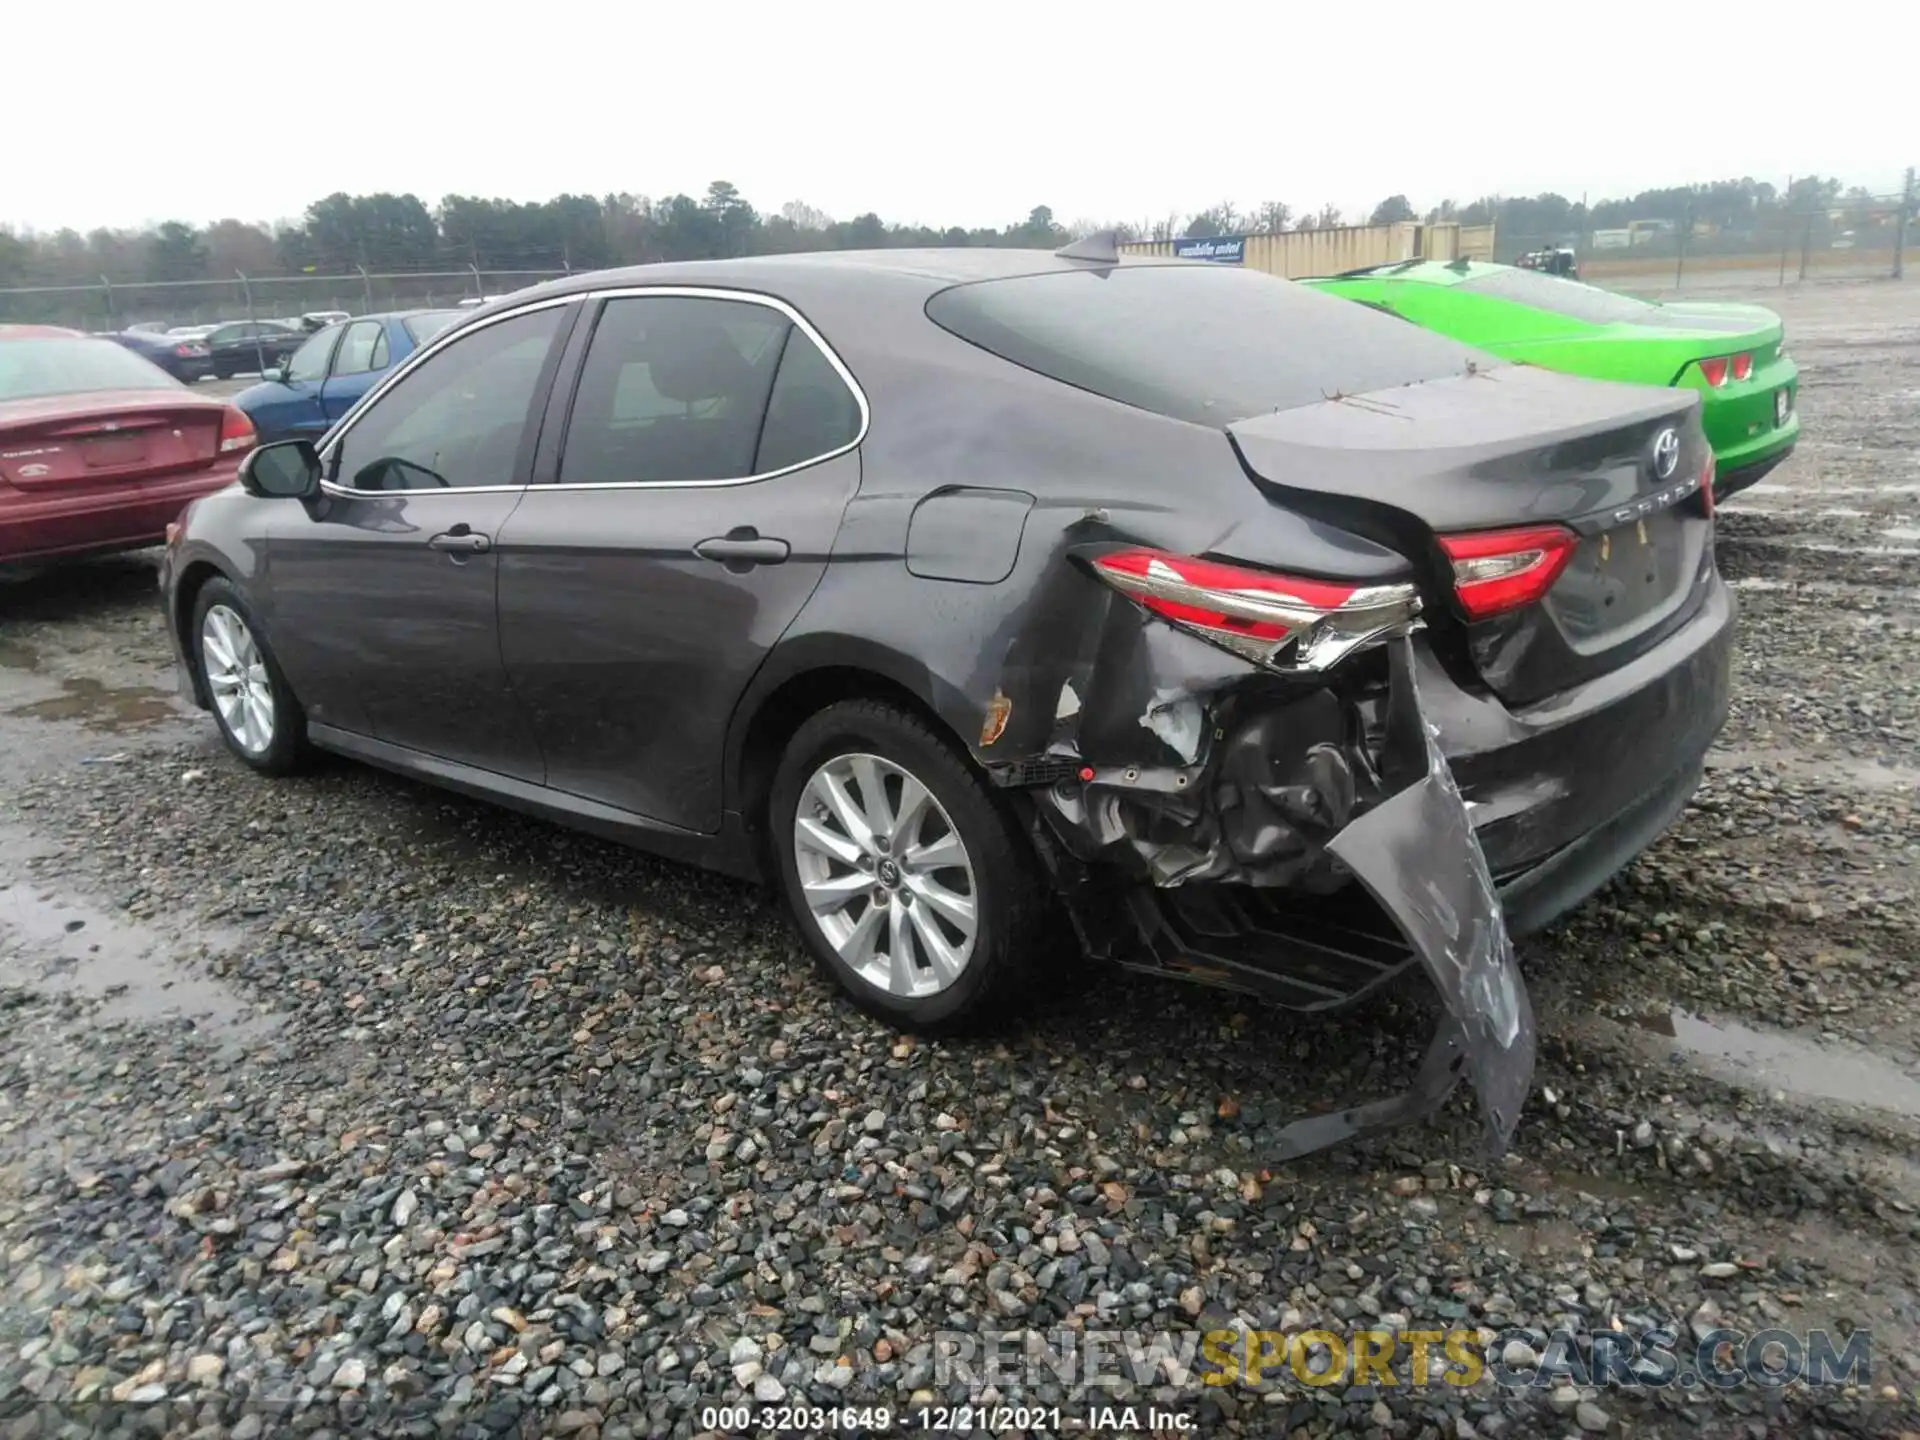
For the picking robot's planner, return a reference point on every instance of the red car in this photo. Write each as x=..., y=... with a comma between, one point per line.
x=99, y=448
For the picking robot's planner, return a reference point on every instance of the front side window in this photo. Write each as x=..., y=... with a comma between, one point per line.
x=309, y=362
x=458, y=420
x=356, y=348
x=674, y=388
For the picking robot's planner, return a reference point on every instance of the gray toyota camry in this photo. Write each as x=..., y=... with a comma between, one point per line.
x=1281, y=645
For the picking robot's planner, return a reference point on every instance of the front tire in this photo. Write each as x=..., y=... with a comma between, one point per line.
x=259, y=718
x=912, y=885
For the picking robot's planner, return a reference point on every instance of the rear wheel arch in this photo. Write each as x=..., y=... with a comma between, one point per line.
x=786, y=695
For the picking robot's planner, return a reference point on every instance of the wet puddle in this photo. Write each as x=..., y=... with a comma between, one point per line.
x=1777, y=1060
x=97, y=706
x=54, y=944
x=18, y=655
x=1832, y=771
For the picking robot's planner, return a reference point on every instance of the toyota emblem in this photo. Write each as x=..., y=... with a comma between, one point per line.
x=1666, y=453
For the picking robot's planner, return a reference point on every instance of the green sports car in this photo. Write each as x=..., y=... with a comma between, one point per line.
x=1734, y=355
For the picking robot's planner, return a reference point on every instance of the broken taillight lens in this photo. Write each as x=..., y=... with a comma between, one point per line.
x=1259, y=613
x=1495, y=571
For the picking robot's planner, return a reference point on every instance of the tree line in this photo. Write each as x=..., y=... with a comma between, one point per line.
x=385, y=233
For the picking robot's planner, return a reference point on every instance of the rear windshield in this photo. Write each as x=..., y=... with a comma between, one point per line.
x=424, y=327
x=62, y=366
x=1203, y=343
x=1562, y=297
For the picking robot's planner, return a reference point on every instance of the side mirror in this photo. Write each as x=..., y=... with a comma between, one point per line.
x=284, y=470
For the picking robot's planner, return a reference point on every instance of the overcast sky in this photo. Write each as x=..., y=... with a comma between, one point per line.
x=963, y=114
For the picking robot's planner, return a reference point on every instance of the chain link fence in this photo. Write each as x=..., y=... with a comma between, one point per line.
x=1851, y=240
x=110, y=305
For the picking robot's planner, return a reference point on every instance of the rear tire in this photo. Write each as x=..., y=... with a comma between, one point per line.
x=912, y=885
x=259, y=718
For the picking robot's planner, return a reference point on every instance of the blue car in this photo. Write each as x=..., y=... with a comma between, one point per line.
x=323, y=378
x=185, y=357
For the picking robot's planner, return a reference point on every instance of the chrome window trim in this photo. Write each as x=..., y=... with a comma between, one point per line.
x=330, y=442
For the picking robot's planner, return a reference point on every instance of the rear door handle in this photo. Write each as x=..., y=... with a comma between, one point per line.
x=743, y=548
x=461, y=541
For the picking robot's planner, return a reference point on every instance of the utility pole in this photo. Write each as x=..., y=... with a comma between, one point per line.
x=1900, y=234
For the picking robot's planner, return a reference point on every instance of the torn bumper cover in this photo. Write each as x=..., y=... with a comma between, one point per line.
x=1302, y=797
x=1417, y=855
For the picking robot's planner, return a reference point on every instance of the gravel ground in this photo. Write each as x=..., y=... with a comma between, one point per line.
x=337, y=1100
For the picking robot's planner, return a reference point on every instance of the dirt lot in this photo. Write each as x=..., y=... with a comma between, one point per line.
x=340, y=1093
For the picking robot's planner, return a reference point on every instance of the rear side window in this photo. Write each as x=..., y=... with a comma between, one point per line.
x=1203, y=343
x=424, y=327
x=811, y=414
x=1562, y=297
x=674, y=388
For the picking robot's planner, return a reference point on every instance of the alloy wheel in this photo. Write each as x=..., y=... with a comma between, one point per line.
x=237, y=675
x=886, y=875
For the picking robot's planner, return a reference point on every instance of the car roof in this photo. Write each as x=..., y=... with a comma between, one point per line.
x=933, y=269
x=38, y=332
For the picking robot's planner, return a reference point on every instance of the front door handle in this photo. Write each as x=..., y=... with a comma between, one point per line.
x=743, y=548
x=461, y=541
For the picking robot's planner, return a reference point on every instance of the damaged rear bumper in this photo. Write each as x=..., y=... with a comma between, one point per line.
x=1308, y=840
x=1399, y=827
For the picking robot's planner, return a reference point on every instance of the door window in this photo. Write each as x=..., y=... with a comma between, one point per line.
x=458, y=420
x=674, y=388
x=812, y=413
x=356, y=349
x=309, y=362
x=380, y=356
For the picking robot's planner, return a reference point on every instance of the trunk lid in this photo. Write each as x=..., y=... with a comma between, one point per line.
x=61, y=442
x=1514, y=446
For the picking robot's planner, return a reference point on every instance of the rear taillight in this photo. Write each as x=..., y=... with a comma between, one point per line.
x=1495, y=571
x=1717, y=371
x=1709, y=472
x=236, y=431
x=183, y=350
x=1283, y=620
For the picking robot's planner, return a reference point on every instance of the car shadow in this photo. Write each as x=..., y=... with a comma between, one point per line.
x=79, y=589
